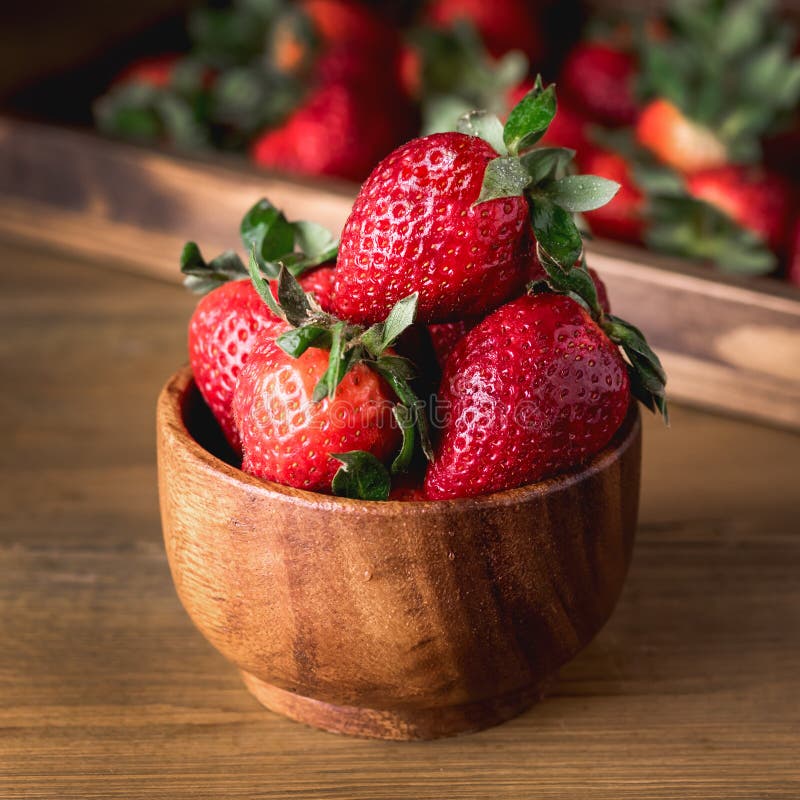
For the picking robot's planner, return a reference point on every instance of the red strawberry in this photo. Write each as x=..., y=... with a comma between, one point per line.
x=289, y=438
x=331, y=25
x=409, y=68
x=534, y=389
x=599, y=80
x=410, y=489
x=222, y=332
x=793, y=265
x=414, y=228
x=349, y=24
x=445, y=336
x=569, y=128
x=757, y=200
x=336, y=130
x=678, y=141
x=503, y=25
x=782, y=151
x=622, y=217
x=155, y=71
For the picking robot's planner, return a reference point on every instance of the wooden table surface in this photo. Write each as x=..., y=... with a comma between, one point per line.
x=107, y=690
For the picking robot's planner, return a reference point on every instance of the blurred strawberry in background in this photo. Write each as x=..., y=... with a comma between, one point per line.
x=503, y=25
x=758, y=200
x=622, y=218
x=694, y=111
x=599, y=80
x=793, y=262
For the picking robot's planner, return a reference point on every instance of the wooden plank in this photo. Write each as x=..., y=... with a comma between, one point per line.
x=729, y=344
x=107, y=690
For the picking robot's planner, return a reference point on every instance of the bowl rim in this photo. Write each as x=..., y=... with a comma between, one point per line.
x=170, y=416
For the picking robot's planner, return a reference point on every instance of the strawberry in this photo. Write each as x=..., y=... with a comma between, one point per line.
x=793, y=264
x=782, y=150
x=290, y=438
x=445, y=336
x=155, y=71
x=321, y=406
x=410, y=488
x=348, y=24
x=569, y=128
x=757, y=200
x=414, y=227
x=445, y=216
x=335, y=131
x=309, y=27
x=504, y=25
x=534, y=389
x=599, y=79
x=227, y=321
x=622, y=217
x=222, y=331
x=678, y=141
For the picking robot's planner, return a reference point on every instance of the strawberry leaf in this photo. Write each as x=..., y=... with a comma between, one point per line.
x=632, y=339
x=530, y=118
x=504, y=177
x=266, y=230
x=485, y=126
x=262, y=287
x=297, y=340
x=400, y=317
x=293, y=300
x=382, y=335
x=578, y=193
x=202, y=276
x=546, y=163
x=648, y=379
x=556, y=232
x=361, y=477
x=405, y=419
x=395, y=372
x=316, y=243
x=575, y=282
x=337, y=365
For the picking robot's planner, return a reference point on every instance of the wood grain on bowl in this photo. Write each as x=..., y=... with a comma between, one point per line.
x=393, y=620
x=727, y=343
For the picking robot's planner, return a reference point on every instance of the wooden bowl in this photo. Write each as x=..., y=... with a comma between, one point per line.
x=395, y=620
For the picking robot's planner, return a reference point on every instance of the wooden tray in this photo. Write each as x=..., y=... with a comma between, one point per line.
x=727, y=344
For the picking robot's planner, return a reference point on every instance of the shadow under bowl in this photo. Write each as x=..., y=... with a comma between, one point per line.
x=394, y=620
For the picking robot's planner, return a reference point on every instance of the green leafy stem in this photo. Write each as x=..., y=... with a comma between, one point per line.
x=274, y=242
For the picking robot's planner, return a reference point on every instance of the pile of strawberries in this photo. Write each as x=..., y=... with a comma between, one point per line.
x=696, y=115
x=455, y=343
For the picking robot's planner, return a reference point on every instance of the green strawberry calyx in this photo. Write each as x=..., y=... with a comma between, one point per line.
x=275, y=243
x=349, y=345
x=554, y=197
